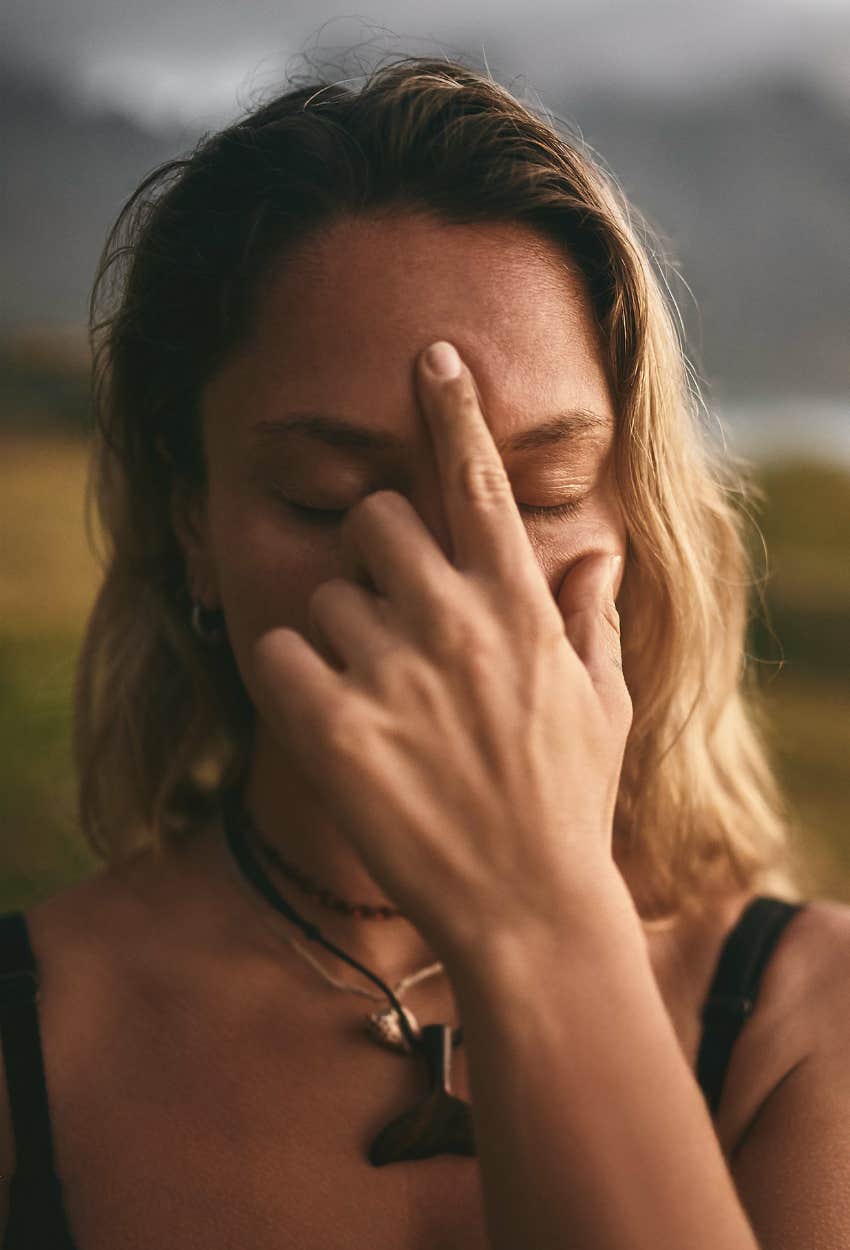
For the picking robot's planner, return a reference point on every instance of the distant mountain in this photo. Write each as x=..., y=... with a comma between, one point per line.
x=67, y=171
x=750, y=189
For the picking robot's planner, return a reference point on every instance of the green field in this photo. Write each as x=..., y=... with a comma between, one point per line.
x=48, y=578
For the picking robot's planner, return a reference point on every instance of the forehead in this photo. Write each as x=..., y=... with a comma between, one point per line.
x=342, y=318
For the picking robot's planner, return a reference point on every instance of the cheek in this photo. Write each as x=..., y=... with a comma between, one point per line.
x=266, y=571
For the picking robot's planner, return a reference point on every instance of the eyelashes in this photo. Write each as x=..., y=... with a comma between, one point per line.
x=317, y=516
x=556, y=512
x=333, y=516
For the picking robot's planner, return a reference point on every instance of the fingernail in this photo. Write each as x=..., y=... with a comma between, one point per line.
x=442, y=359
x=616, y=562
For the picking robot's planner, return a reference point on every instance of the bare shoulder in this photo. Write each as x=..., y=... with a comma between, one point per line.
x=803, y=1006
x=114, y=918
x=808, y=976
x=77, y=935
x=125, y=949
x=815, y=959
x=107, y=948
x=110, y=952
x=102, y=946
x=790, y=1089
x=56, y=926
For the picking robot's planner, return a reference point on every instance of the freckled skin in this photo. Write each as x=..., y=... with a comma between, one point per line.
x=167, y=985
x=338, y=328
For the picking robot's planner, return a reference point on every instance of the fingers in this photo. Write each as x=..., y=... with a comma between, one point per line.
x=351, y=622
x=295, y=687
x=385, y=537
x=488, y=534
x=302, y=697
x=592, y=624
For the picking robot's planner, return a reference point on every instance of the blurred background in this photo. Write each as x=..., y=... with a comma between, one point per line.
x=727, y=124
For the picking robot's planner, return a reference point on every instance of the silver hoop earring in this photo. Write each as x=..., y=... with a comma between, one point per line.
x=208, y=623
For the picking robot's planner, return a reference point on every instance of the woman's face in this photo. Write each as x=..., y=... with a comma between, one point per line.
x=320, y=408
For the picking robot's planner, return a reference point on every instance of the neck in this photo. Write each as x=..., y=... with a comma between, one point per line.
x=292, y=817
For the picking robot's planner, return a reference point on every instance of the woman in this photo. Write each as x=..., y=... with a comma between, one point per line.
x=365, y=707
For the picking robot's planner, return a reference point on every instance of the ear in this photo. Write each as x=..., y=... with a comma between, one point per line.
x=189, y=520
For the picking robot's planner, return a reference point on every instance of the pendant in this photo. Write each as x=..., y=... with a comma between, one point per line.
x=383, y=1027
x=441, y=1123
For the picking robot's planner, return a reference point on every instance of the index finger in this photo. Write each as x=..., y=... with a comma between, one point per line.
x=487, y=529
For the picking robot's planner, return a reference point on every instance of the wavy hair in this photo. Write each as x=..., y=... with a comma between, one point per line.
x=163, y=724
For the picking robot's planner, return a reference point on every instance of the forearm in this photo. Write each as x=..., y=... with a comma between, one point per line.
x=592, y=1133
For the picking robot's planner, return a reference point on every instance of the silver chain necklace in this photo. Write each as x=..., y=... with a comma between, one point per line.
x=438, y=1123
x=383, y=1025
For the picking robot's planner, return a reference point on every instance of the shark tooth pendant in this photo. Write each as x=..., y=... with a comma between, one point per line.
x=440, y=1123
x=383, y=1026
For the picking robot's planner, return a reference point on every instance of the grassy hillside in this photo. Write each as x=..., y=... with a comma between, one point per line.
x=48, y=579
x=47, y=582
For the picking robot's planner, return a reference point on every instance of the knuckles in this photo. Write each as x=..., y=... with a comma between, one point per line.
x=344, y=732
x=449, y=630
x=483, y=482
x=612, y=616
x=411, y=682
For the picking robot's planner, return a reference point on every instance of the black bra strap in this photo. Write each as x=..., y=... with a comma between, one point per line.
x=21, y=1041
x=36, y=1218
x=732, y=995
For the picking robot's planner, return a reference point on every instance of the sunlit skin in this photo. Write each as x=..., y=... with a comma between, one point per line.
x=441, y=721
x=339, y=332
x=441, y=703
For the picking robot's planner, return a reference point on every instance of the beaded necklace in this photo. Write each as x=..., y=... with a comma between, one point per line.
x=440, y=1123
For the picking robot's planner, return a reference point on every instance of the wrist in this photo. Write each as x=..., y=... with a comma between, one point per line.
x=601, y=925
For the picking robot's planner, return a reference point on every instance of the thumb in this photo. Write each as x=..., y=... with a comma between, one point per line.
x=586, y=601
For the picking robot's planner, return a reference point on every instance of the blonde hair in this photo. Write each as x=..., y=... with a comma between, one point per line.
x=162, y=723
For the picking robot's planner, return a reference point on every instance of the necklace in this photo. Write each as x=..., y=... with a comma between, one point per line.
x=381, y=1025
x=364, y=911
x=440, y=1123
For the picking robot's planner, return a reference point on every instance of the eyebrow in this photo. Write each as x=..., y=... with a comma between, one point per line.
x=336, y=431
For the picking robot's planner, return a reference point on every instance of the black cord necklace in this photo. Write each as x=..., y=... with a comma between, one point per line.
x=440, y=1123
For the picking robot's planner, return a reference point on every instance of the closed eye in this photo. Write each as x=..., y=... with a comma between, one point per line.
x=333, y=516
x=556, y=512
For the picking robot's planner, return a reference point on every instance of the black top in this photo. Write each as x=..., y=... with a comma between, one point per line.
x=36, y=1213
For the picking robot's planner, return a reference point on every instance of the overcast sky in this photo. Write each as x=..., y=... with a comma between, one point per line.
x=198, y=61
